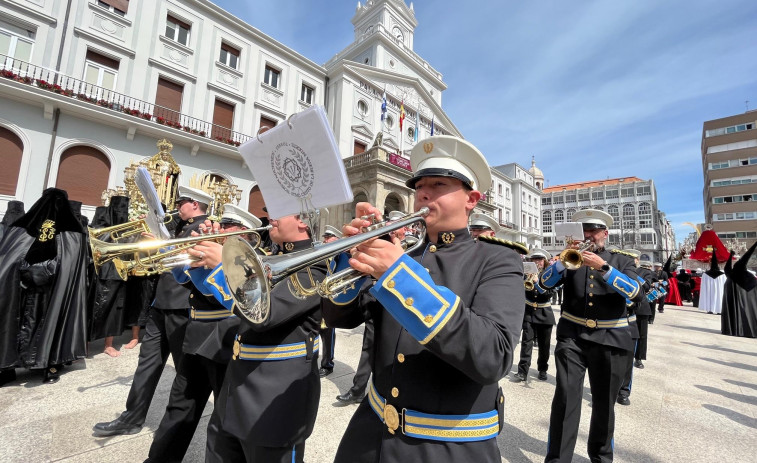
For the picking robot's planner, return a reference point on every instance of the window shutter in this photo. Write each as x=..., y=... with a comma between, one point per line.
x=12, y=150
x=83, y=172
x=102, y=60
x=122, y=5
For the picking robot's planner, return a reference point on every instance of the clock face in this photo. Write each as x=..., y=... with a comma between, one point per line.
x=397, y=32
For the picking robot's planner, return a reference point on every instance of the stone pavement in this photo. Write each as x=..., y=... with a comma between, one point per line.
x=696, y=401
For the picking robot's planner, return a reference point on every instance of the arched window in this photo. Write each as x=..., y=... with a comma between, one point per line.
x=613, y=211
x=256, y=203
x=83, y=172
x=559, y=216
x=392, y=203
x=359, y=198
x=645, y=215
x=629, y=217
x=546, y=221
x=571, y=211
x=12, y=150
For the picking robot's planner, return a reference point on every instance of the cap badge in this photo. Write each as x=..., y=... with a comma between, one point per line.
x=589, y=213
x=289, y=246
x=428, y=147
x=447, y=238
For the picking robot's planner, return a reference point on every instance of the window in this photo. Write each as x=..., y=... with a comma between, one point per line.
x=629, y=217
x=627, y=192
x=546, y=201
x=306, y=94
x=583, y=195
x=558, y=199
x=100, y=70
x=734, y=199
x=359, y=147
x=597, y=195
x=83, y=172
x=272, y=76
x=731, y=129
x=647, y=238
x=177, y=30
x=362, y=108
x=569, y=213
x=15, y=43
x=559, y=216
x=507, y=193
x=613, y=211
x=614, y=239
x=229, y=56
x=267, y=123
x=734, y=181
x=611, y=194
x=738, y=235
x=547, y=240
x=645, y=215
x=546, y=221
x=168, y=100
x=411, y=132
x=389, y=121
x=643, y=190
x=223, y=120
x=570, y=197
x=119, y=7
x=13, y=151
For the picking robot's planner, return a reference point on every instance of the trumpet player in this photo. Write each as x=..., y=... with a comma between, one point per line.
x=206, y=349
x=446, y=320
x=538, y=320
x=483, y=225
x=164, y=330
x=593, y=335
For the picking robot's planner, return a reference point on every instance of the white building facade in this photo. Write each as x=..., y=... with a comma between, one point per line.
x=87, y=89
x=525, y=203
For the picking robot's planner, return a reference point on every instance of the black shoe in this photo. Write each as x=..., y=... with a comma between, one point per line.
x=661, y=310
x=543, y=375
x=519, y=377
x=51, y=376
x=350, y=398
x=6, y=376
x=115, y=428
x=624, y=400
x=638, y=364
x=323, y=372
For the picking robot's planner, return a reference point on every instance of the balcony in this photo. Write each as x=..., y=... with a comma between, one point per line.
x=70, y=87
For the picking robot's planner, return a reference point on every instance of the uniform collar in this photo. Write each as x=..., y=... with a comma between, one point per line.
x=451, y=237
x=191, y=220
x=293, y=246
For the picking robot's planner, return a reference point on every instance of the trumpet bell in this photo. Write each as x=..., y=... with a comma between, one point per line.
x=247, y=280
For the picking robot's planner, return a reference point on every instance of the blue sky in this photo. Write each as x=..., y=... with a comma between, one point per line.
x=592, y=89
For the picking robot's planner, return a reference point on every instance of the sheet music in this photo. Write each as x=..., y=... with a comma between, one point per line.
x=570, y=229
x=297, y=165
x=155, y=215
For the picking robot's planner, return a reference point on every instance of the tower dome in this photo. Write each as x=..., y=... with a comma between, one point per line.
x=537, y=174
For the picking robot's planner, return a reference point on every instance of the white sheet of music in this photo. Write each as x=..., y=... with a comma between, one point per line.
x=155, y=216
x=296, y=161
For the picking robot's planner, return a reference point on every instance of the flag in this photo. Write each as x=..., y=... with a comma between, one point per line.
x=383, y=106
x=402, y=115
x=432, y=125
x=417, y=124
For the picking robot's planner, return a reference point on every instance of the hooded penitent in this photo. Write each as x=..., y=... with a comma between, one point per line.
x=43, y=286
x=674, y=295
x=740, y=300
x=13, y=212
x=713, y=281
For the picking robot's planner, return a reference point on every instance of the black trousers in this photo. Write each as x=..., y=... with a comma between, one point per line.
x=642, y=321
x=328, y=343
x=661, y=303
x=363, y=373
x=195, y=379
x=625, y=388
x=606, y=366
x=540, y=333
x=557, y=296
x=222, y=447
x=164, y=334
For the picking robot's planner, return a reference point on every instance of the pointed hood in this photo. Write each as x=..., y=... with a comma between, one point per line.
x=708, y=243
x=714, y=270
x=740, y=275
x=666, y=267
x=729, y=263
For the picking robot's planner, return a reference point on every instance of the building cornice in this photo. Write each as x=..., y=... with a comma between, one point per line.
x=25, y=10
x=104, y=42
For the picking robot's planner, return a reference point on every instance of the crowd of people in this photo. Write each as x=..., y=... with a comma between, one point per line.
x=441, y=318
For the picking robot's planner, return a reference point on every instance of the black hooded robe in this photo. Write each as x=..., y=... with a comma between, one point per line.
x=740, y=300
x=43, y=304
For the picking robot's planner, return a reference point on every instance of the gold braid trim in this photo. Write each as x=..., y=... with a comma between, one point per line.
x=517, y=247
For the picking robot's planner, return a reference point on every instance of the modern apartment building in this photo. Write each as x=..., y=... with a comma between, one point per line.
x=729, y=165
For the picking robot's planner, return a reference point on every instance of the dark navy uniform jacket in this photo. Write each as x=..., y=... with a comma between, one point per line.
x=588, y=296
x=275, y=403
x=170, y=295
x=447, y=318
x=539, y=306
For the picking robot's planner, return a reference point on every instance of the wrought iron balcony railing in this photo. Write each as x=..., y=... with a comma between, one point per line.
x=56, y=82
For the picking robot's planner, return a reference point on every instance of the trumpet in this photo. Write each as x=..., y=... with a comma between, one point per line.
x=126, y=229
x=251, y=277
x=152, y=257
x=530, y=273
x=572, y=258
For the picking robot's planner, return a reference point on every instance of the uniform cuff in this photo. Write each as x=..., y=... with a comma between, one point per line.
x=621, y=283
x=408, y=293
x=216, y=284
x=552, y=275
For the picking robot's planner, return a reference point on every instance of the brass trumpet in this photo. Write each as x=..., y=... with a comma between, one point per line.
x=572, y=258
x=126, y=229
x=530, y=273
x=152, y=257
x=251, y=277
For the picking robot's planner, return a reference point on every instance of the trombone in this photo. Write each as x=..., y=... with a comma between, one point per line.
x=152, y=257
x=251, y=277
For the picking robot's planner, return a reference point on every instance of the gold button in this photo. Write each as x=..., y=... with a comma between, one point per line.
x=428, y=319
x=432, y=248
x=395, y=392
x=191, y=296
x=591, y=304
x=591, y=276
x=501, y=400
x=409, y=301
x=591, y=294
x=391, y=283
x=400, y=358
x=591, y=285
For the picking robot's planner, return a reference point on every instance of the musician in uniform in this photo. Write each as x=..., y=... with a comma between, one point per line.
x=165, y=326
x=207, y=345
x=644, y=311
x=269, y=399
x=538, y=321
x=633, y=308
x=592, y=335
x=482, y=224
x=446, y=318
x=662, y=276
x=328, y=334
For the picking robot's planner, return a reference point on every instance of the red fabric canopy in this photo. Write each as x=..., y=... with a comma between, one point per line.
x=709, y=240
